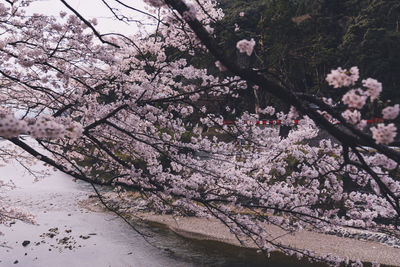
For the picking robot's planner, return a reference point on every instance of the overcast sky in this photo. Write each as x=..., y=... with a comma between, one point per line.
x=93, y=9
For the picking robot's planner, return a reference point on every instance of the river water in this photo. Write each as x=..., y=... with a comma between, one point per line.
x=67, y=234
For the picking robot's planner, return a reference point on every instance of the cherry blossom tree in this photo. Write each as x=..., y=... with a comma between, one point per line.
x=130, y=112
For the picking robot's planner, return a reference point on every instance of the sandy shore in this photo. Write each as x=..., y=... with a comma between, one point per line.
x=321, y=244
x=210, y=229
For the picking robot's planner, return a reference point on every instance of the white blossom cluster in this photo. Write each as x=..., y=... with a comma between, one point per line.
x=267, y=110
x=220, y=66
x=356, y=99
x=46, y=127
x=343, y=78
x=42, y=127
x=246, y=46
x=374, y=88
x=391, y=113
x=384, y=134
x=11, y=126
x=353, y=117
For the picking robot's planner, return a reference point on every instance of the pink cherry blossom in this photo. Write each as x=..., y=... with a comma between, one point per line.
x=150, y=122
x=246, y=46
x=391, y=113
x=219, y=65
x=352, y=117
x=343, y=78
x=374, y=88
x=355, y=98
x=384, y=134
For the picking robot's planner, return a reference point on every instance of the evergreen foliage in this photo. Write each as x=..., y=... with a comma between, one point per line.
x=300, y=41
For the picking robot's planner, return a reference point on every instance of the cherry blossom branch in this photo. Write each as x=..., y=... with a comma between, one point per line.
x=98, y=35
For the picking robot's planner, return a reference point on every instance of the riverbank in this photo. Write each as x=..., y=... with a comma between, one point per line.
x=321, y=244
x=211, y=229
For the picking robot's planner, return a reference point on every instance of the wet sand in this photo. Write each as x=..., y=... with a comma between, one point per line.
x=211, y=229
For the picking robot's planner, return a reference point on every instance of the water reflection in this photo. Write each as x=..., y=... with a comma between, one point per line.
x=213, y=253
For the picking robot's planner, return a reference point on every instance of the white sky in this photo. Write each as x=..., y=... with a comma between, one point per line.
x=94, y=9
